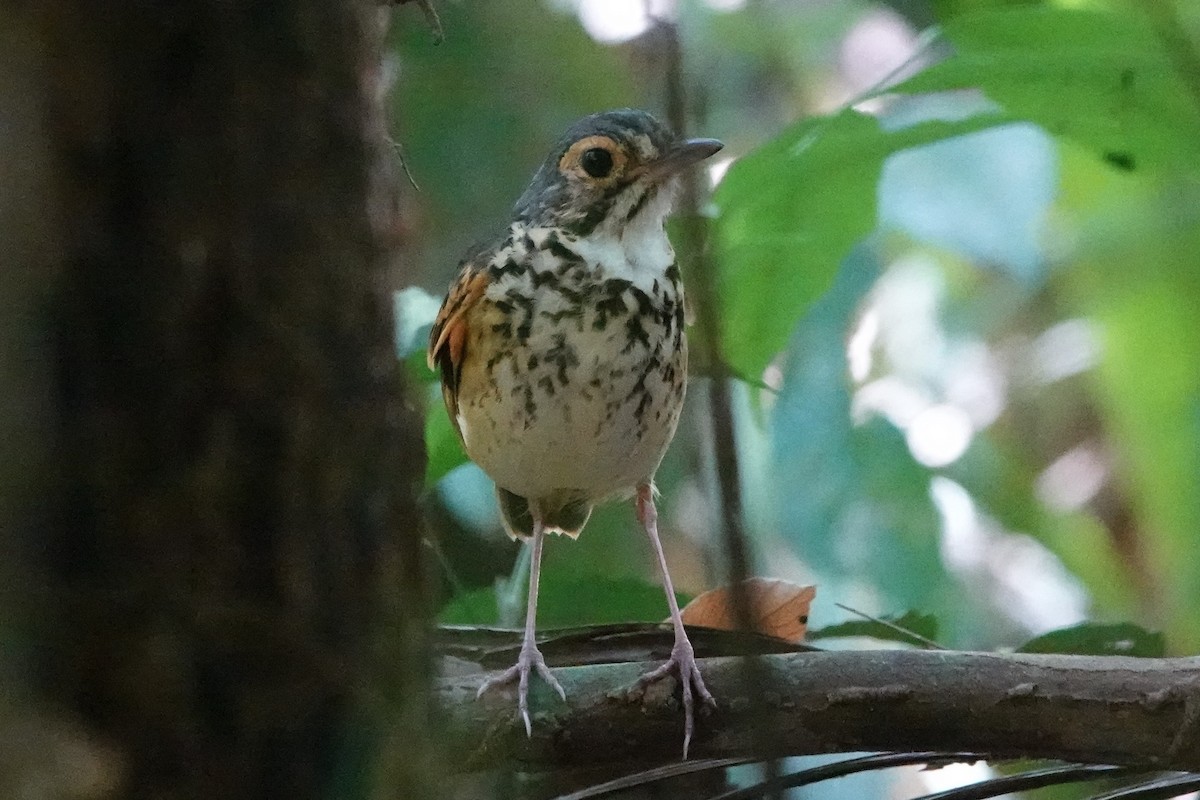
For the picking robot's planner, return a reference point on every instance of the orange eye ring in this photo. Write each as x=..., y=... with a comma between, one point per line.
x=596, y=159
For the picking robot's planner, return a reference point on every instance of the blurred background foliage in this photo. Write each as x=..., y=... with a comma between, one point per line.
x=956, y=251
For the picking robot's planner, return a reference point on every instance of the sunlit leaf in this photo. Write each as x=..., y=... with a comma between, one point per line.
x=1103, y=79
x=790, y=212
x=1095, y=639
x=925, y=626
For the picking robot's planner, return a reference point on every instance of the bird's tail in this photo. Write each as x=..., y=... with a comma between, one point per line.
x=568, y=519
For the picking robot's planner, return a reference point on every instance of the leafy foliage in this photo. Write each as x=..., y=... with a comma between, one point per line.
x=790, y=212
x=414, y=311
x=1094, y=639
x=442, y=447
x=897, y=629
x=1100, y=78
x=570, y=599
x=1043, y=172
x=1097, y=80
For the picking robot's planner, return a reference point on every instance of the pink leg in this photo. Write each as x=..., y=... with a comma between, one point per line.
x=530, y=657
x=683, y=658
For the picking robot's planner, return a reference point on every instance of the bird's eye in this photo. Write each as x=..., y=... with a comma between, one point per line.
x=596, y=162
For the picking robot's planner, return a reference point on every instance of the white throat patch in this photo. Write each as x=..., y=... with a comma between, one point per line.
x=637, y=251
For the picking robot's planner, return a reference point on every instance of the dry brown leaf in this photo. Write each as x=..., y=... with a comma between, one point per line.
x=778, y=608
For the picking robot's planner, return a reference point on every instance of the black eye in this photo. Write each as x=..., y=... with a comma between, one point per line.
x=596, y=162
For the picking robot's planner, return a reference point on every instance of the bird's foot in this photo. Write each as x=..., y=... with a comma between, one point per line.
x=529, y=659
x=683, y=662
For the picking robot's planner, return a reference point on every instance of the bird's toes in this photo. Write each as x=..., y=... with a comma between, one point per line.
x=503, y=679
x=523, y=704
x=549, y=678
x=701, y=690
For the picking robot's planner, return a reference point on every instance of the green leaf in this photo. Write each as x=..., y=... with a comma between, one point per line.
x=441, y=444
x=595, y=599
x=1102, y=79
x=790, y=212
x=476, y=607
x=1095, y=639
x=417, y=368
x=923, y=625
x=568, y=600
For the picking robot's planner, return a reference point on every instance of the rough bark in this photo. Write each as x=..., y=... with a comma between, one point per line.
x=225, y=562
x=1114, y=710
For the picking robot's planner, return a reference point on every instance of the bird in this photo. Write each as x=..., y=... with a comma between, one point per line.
x=563, y=356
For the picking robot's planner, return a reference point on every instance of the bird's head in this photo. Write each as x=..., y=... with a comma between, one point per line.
x=611, y=168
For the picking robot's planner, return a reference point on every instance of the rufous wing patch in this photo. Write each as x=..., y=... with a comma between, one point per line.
x=450, y=332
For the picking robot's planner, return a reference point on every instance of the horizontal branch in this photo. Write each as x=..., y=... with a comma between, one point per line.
x=1109, y=710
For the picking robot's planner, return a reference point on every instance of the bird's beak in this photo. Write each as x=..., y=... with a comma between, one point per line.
x=681, y=156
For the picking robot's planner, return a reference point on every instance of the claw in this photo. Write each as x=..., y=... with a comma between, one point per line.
x=683, y=663
x=529, y=659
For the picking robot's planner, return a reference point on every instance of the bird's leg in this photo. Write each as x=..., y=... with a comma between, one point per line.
x=683, y=658
x=530, y=657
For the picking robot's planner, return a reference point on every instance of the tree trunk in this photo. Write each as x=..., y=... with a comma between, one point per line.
x=225, y=528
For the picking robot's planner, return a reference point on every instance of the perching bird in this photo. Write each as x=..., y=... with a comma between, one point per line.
x=563, y=357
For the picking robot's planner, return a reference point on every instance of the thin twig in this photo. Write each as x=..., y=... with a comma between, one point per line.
x=703, y=286
x=439, y=555
x=899, y=628
x=702, y=280
x=399, y=151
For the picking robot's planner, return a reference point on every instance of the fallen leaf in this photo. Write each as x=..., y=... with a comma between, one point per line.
x=777, y=608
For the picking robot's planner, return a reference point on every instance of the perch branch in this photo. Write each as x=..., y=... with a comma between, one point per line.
x=1099, y=710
